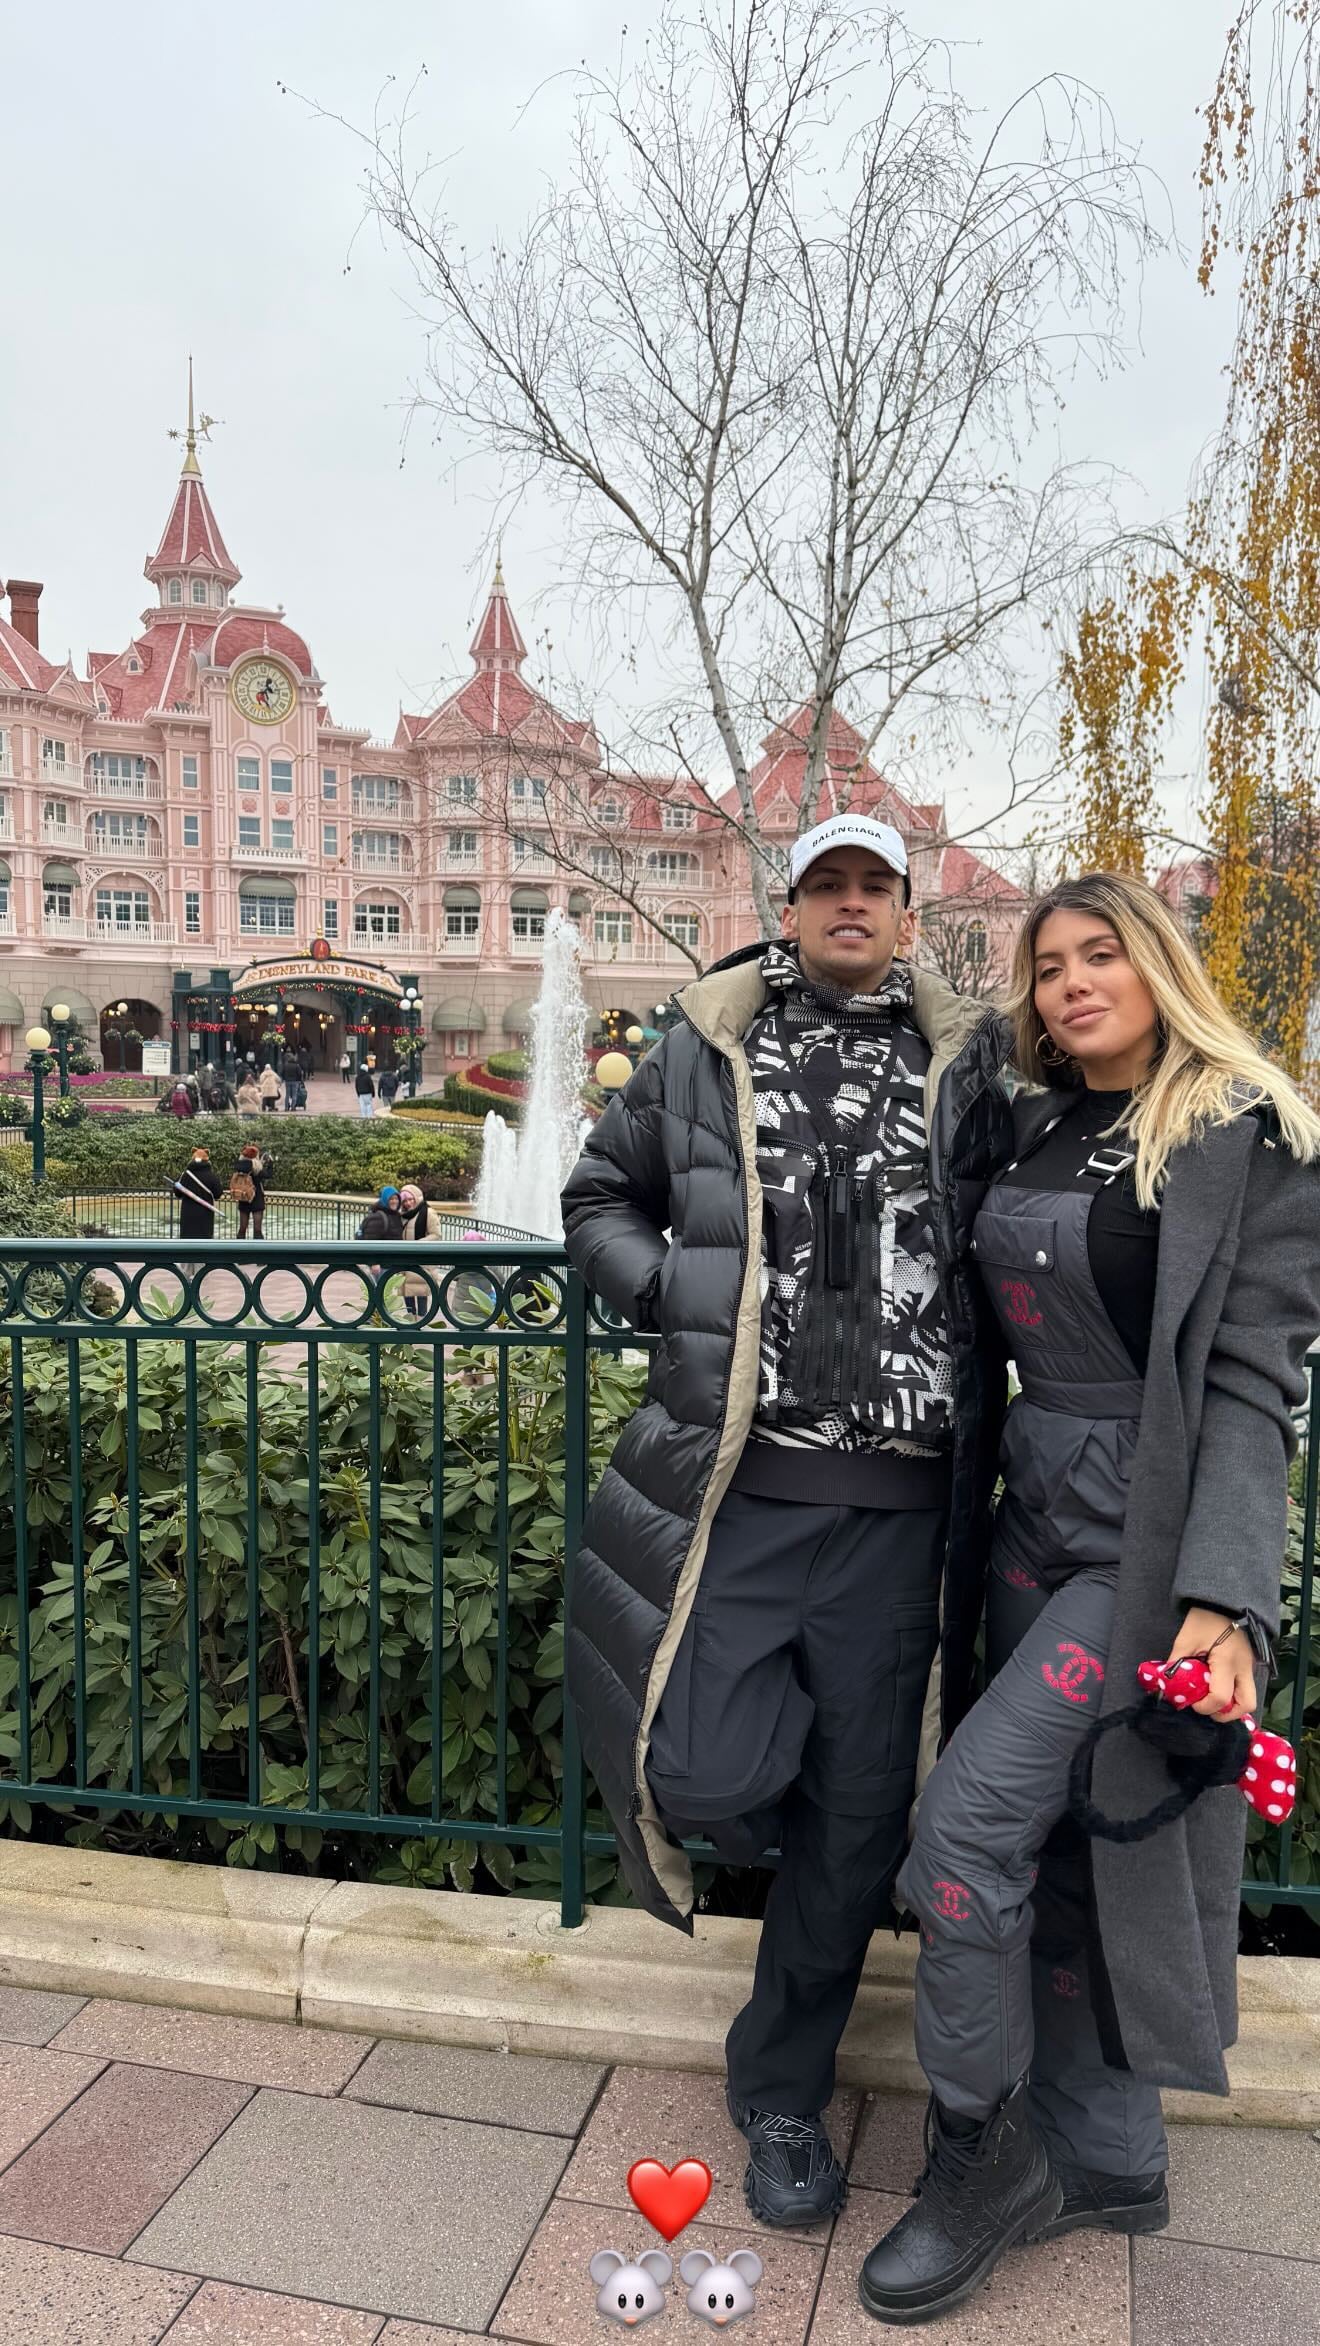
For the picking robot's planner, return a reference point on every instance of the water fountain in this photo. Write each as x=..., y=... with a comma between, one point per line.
x=523, y=1171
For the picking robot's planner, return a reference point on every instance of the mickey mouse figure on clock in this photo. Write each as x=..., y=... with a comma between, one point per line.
x=261, y=691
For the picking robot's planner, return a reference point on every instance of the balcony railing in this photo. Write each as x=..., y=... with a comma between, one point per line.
x=527, y=948
x=148, y=786
x=458, y=948
x=258, y=855
x=461, y=863
x=398, y=864
x=6, y=766
x=8, y=925
x=142, y=932
x=147, y=850
x=381, y=810
x=64, y=927
x=6, y=826
x=61, y=835
x=61, y=776
x=366, y=941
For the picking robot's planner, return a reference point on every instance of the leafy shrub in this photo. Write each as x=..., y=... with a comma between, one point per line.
x=474, y=1102
x=1262, y=1838
x=16, y=1107
x=408, y=1484
x=513, y=1063
x=326, y=1154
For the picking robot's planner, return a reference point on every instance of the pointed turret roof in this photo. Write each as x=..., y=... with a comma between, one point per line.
x=191, y=537
x=497, y=643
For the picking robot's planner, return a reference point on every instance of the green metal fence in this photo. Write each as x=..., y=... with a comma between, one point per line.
x=291, y=1216
x=283, y=1544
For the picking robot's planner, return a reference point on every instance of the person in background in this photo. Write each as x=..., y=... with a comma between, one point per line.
x=291, y=1076
x=247, y=1186
x=249, y=1093
x=416, y=1224
x=389, y=1085
x=304, y=1060
x=269, y=1087
x=364, y=1084
x=345, y=1066
x=182, y=1103
x=383, y=1221
x=197, y=1189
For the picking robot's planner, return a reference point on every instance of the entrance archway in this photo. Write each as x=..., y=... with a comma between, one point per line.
x=322, y=999
x=126, y=1024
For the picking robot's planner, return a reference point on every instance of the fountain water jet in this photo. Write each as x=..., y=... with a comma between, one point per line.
x=523, y=1171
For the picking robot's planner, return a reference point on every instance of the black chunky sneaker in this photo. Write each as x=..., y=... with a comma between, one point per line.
x=1107, y=2203
x=985, y=2187
x=792, y=2175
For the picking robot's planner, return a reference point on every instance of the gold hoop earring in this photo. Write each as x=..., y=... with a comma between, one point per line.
x=1048, y=1052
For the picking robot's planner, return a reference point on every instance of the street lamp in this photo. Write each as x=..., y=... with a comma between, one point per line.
x=38, y=1043
x=412, y=1007
x=60, y=1014
x=613, y=1069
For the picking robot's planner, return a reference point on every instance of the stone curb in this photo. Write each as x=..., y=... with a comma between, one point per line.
x=445, y=1968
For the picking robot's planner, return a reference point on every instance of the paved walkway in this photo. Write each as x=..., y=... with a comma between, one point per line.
x=213, y=2182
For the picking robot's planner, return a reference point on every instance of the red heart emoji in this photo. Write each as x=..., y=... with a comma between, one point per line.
x=669, y=2197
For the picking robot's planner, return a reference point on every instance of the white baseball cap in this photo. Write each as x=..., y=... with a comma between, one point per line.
x=879, y=839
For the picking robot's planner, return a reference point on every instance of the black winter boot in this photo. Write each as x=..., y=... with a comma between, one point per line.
x=792, y=2175
x=1107, y=2203
x=985, y=2187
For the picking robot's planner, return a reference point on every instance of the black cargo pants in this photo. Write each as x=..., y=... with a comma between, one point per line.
x=792, y=1715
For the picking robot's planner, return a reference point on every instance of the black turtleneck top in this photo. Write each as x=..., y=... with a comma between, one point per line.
x=1122, y=1238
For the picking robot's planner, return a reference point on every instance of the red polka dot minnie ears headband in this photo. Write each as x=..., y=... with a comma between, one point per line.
x=1198, y=1753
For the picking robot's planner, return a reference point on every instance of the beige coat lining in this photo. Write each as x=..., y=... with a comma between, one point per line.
x=721, y=1008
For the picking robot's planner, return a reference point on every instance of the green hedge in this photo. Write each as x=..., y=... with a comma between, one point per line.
x=472, y=1102
x=514, y=1064
x=408, y=1489
x=319, y=1153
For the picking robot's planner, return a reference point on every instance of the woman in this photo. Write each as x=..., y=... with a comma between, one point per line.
x=247, y=1186
x=249, y=1094
x=198, y=1190
x=182, y=1103
x=1149, y=1245
x=345, y=1066
x=416, y=1224
x=268, y=1085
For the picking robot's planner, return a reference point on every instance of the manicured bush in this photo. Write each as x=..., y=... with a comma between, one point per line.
x=474, y=1102
x=513, y=1063
x=408, y=1484
x=325, y=1154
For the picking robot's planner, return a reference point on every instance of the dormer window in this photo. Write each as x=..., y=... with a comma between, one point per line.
x=175, y=590
x=199, y=590
x=135, y=667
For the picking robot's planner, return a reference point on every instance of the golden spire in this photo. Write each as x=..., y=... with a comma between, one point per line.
x=199, y=429
x=498, y=587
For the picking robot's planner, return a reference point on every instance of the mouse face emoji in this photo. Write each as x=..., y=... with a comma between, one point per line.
x=721, y=2293
x=630, y=2293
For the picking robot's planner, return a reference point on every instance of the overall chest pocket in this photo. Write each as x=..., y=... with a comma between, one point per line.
x=1017, y=1256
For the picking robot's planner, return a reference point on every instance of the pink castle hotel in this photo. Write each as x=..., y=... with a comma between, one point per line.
x=192, y=849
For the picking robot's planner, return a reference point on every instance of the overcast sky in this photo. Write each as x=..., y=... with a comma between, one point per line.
x=161, y=196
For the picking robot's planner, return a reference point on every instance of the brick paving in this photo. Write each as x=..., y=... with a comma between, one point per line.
x=169, y=2175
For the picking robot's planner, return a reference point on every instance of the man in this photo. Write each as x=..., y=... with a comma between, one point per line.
x=389, y=1085
x=757, y=1600
x=365, y=1086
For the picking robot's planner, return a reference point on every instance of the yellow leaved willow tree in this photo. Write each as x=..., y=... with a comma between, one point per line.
x=1238, y=580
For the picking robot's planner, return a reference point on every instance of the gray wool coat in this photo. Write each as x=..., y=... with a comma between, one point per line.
x=1237, y=1304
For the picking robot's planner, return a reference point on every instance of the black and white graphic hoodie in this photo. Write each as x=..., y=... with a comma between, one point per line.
x=888, y=1445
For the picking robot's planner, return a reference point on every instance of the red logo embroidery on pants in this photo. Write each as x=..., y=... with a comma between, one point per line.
x=1066, y=1983
x=1021, y=1303
x=1017, y=1576
x=953, y=1900
x=1077, y=1667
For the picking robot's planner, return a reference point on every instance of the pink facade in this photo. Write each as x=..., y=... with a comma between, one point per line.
x=189, y=804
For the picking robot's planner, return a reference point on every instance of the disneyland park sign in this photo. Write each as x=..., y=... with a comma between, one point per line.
x=319, y=967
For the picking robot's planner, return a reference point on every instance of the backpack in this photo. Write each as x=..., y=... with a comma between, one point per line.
x=375, y=1223
x=242, y=1187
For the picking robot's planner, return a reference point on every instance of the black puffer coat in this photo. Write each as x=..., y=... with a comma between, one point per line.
x=676, y=1153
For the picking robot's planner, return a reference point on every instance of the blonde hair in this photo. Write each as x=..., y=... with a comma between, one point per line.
x=1206, y=1069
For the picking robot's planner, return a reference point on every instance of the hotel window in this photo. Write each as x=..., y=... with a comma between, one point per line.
x=462, y=846
x=330, y=839
x=377, y=793
x=383, y=848
x=57, y=898
x=678, y=818
x=192, y=913
x=329, y=781
x=190, y=773
x=281, y=834
x=249, y=773
x=123, y=908
x=114, y=766
x=175, y=590
x=4, y=894
x=609, y=811
x=461, y=789
x=192, y=830
x=128, y=831
x=330, y=917
x=377, y=922
x=976, y=944
x=281, y=777
x=249, y=831
x=462, y=916
x=4, y=753
x=267, y=909
x=613, y=928
x=525, y=788
x=673, y=865
x=527, y=920
x=199, y=587
x=606, y=863
x=54, y=753
x=684, y=928
x=56, y=812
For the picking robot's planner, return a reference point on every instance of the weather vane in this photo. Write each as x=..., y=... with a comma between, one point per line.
x=199, y=428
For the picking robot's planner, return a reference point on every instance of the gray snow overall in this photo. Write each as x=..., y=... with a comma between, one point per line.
x=997, y=1874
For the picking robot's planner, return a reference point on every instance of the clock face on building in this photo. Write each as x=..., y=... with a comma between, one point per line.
x=262, y=691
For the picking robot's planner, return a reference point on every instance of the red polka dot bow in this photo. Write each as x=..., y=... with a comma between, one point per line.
x=1268, y=1781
